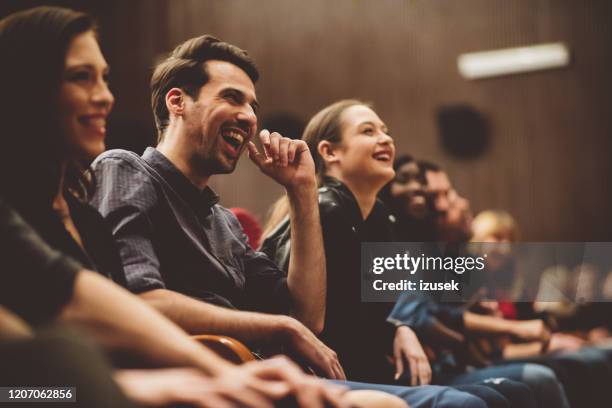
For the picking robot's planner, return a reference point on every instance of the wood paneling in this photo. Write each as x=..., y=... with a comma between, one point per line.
x=549, y=156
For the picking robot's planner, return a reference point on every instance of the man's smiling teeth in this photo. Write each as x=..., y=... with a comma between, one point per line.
x=233, y=137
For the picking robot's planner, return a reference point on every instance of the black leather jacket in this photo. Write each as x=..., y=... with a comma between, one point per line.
x=357, y=331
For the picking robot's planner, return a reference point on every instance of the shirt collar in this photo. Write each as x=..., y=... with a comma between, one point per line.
x=199, y=200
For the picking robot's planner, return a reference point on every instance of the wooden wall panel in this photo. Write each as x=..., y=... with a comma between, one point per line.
x=549, y=156
x=550, y=151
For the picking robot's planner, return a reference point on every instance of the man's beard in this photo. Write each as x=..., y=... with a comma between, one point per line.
x=215, y=165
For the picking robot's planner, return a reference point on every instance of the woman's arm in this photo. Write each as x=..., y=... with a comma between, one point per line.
x=12, y=327
x=121, y=321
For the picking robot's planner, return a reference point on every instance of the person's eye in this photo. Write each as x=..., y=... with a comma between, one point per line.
x=232, y=97
x=368, y=131
x=106, y=77
x=79, y=76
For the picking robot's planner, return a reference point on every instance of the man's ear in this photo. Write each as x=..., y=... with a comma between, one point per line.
x=328, y=151
x=175, y=101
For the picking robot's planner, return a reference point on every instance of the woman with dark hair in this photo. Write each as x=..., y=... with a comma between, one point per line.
x=54, y=124
x=35, y=73
x=406, y=197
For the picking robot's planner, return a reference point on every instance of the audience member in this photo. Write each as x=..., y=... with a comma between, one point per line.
x=445, y=326
x=406, y=197
x=354, y=154
x=184, y=253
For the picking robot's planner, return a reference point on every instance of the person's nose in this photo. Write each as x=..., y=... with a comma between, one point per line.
x=442, y=204
x=247, y=116
x=102, y=95
x=384, y=138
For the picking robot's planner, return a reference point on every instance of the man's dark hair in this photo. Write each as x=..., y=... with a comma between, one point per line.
x=185, y=68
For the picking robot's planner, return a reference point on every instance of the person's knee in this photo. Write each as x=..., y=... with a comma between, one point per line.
x=459, y=399
x=546, y=386
x=539, y=375
x=373, y=399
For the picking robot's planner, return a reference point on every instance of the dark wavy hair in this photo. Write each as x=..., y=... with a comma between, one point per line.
x=185, y=68
x=33, y=47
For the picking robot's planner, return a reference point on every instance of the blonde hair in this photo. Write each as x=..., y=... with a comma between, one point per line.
x=494, y=222
x=278, y=212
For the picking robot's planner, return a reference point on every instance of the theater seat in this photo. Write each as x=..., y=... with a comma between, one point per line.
x=227, y=347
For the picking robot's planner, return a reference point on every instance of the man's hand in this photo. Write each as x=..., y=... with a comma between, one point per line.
x=306, y=345
x=565, y=342
x=287, y=161
x=307, y=390
x=406, y=346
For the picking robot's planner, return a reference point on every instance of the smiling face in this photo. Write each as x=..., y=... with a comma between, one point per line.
x=366, y=151
x=409, y=189
x=84, y=98
x=222, y=119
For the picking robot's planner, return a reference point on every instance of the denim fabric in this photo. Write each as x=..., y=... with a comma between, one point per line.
x=424, y=396
x=542, y=381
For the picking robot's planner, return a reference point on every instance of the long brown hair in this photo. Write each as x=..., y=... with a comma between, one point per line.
x=33, y=47
x=324, y=125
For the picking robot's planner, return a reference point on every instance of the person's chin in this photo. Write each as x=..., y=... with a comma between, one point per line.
x=225, y=166
x=391, y=174
x=386, y=173
x=89, y=152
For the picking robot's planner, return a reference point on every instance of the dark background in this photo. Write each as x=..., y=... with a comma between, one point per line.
x=539, y=143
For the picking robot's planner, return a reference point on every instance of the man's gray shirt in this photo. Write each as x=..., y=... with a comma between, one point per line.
x=172, y=235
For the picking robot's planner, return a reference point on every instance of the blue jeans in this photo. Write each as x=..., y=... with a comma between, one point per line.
x=512, y=393
x=542, y=381
x=423, y=396
x=585, y=374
